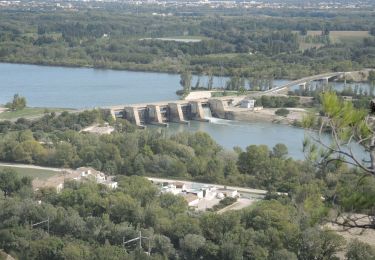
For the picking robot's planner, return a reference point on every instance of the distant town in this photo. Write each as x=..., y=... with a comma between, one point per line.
x=214, y=4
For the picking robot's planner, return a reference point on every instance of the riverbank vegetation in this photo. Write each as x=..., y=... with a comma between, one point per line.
x=18, y=103
x=30, y=113
x=267, y=45
x=90, y=221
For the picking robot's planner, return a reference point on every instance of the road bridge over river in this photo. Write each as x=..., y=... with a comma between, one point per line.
x=325, y=77
x=181, y=111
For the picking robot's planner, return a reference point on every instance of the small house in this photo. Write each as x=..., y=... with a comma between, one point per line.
x=198, y=193
x=228, y=193
x=247, y=103
x=179, y=185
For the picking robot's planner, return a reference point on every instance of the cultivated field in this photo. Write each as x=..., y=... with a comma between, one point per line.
x=348, y=37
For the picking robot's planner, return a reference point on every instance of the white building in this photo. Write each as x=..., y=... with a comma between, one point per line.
x=227, y=193
x=170, y=188
x=247, y=103
x=191, y=199
x=198, y=193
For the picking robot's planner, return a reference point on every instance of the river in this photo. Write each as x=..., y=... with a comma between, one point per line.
x=45, y=86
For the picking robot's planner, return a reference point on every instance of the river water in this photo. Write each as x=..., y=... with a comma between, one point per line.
x=45, y=86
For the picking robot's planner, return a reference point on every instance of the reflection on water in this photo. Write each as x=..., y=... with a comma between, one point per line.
x=86, y=88
x=230, y=133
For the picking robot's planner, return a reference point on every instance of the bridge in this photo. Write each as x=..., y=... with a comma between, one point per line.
x=302, y=82
x=182, y=111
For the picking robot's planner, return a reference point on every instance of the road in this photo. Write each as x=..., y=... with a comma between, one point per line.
x=239, y=189
x=239, y=204
x=30, y=166
x=300, y=81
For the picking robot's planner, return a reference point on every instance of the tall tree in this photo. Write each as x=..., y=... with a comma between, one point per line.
x=17, y=103
x=185, y=81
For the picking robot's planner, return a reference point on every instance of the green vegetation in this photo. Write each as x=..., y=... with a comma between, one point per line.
x=18, y=103
x=282, y=112
x=29, y=112
x=185, y=82
x=260, y=44
x=90, y=221
x=224, y=203
x=29, y=172
x=277, y=101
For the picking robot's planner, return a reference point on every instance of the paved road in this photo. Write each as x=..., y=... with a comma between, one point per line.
x=30, y=166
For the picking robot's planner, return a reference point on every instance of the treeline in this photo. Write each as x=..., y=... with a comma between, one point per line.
x=89, y=221
x=55, y=141
x=239, y=45
x=277, y=101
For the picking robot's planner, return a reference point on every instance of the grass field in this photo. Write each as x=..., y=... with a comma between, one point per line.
x=185, y=39
x=29, y=112
x=348, y=37
x=33, y=173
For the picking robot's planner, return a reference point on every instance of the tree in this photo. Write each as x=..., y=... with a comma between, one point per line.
x=346, y=125
x=185, y=81
x=371, y=76
x=319, y=244
x=191, y=244
x=210, y=81
x=280, y=151
x=358, y=250
x=10, y=182
x=18, y=103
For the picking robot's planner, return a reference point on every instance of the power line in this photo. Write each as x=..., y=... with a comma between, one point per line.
x=138, y=238
x=41, y=222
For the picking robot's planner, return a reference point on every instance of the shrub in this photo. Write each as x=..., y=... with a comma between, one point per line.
x=282, y=112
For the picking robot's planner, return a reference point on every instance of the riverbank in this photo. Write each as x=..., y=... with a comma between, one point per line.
x=29, y=112
x=173, y=69
x=266, y=115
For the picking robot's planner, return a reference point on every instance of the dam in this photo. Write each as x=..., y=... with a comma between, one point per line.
x=180, y=111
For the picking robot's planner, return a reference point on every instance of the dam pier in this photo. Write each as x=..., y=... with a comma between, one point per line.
x=200, y=105
x=180, y=111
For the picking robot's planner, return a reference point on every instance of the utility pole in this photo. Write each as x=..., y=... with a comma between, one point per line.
x=40, y=223
x=138, y=238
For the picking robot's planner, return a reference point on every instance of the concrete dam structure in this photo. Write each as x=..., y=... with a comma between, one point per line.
x=181, y=111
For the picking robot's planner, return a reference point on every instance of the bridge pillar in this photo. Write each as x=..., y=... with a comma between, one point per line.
x=302, y=85
x=154, y=115
x=197, y=112
x=176, y=114
x=132, y=115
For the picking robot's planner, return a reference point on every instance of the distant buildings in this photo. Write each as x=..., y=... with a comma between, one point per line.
x=194, y=193
x=247, y=103
x=81, y=174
